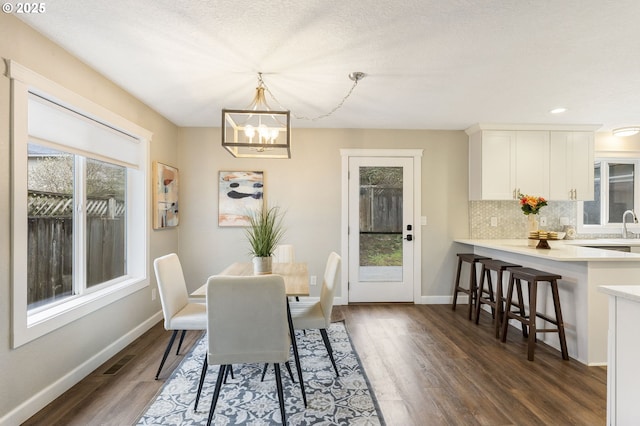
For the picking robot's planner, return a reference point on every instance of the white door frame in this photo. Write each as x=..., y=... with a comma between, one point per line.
x=416, y=154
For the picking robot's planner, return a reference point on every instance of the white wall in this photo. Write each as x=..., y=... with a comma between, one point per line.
x=34, y=373
x=308, y=187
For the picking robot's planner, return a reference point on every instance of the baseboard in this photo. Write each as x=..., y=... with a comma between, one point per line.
x=423, y=300
x=40, y=400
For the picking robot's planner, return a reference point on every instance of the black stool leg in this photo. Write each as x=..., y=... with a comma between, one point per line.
x=525, y=333
x=559, y=320
x=507, y=309
x=498, y=315
x=484, y=273
x=473, y=284
x=456, y=284
x=533, y=308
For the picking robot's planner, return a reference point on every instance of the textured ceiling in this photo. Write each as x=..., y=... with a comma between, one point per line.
x=430, y=64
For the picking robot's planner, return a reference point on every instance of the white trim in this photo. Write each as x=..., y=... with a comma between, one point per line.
x=417, y=211
x=25, y=328
x=542, y=127
x=41, y=85
x=40, y=400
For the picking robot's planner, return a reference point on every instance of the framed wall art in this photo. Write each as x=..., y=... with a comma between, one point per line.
x=239, y=194
x=165, y=196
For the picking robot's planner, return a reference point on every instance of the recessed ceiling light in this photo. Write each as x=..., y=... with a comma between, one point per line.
x=559, y=110
x=626, y=131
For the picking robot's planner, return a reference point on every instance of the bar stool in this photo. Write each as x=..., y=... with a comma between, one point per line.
x=496, y=299
x=472, y=259
x=533, y=276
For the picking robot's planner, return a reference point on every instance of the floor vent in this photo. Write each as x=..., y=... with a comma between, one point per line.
x=118, y=365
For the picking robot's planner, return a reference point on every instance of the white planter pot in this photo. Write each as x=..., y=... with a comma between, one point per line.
x=262, y=265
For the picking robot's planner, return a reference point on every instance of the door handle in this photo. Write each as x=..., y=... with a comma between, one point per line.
x=409, y=237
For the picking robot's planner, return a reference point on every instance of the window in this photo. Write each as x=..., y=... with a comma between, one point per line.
x=79, y=200
x=56, y=179
x=615, y=186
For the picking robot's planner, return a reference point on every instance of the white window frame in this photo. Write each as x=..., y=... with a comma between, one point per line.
x=616, y=226
x=29, y=326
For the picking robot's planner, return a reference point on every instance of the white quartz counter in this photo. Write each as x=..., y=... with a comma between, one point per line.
x=629, y=292
x=561, y=250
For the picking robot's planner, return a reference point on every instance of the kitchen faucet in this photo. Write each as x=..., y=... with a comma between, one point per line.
x=625, y=233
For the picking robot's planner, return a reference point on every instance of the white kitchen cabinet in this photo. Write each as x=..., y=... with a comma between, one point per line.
x=504, y=163
x=623, y=369
x=571, y=166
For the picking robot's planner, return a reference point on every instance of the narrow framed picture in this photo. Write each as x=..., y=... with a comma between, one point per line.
x=239, y=193
x=165, y=196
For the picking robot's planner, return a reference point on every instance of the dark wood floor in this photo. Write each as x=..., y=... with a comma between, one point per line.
x=426, y=363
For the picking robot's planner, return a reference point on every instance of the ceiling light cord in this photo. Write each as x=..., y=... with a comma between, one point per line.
x=355, y=76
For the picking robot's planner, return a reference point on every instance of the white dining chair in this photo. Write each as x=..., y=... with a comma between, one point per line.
x=179, y=313
x=310, y=314
x=284, y=253
x=247, y=323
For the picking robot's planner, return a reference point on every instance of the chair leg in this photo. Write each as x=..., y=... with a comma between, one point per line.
x=288, y=365
x=166, y=352
x=264, y=372
x=276, y=367
x=216, y=392
x=327, y=344
x=180, y=342
x=203, y=373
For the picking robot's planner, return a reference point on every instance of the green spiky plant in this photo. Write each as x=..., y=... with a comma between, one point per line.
x=266, y=231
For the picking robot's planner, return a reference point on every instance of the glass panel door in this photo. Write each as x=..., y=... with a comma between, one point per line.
x=380, y=224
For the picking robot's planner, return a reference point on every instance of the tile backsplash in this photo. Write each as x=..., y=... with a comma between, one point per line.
x=512, y=223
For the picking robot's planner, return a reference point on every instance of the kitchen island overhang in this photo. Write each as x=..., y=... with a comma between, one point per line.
x=583, y=270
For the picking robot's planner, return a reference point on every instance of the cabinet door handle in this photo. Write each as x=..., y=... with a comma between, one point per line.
x=575, y=194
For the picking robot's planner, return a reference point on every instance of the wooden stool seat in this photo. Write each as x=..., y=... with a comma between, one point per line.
x=532, y=277
x=495, y=299
x=472, y=259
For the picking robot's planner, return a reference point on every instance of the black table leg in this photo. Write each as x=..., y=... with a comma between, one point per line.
x=295, y=354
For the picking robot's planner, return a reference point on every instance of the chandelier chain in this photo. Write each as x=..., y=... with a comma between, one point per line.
x=319, y=117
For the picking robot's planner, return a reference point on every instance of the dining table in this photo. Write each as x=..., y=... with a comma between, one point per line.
x=296, y=282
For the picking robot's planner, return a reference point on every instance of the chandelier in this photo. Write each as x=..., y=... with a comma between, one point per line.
x=260, y=132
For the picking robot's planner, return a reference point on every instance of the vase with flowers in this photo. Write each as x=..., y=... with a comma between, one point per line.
x=530, y=206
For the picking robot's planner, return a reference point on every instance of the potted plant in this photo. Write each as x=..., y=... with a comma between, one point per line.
x=264, y=233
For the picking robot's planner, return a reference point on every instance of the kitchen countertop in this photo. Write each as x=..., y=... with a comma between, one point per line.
x=562, y=250
x=630, y=292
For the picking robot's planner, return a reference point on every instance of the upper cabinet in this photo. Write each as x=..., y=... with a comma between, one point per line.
x=554, y=163
x=503, y=164
x=571, y=166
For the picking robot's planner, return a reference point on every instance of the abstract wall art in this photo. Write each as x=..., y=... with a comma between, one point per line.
x=239, y=194
x=165, y=196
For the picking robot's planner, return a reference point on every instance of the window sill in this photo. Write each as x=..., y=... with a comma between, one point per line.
x=48, y=320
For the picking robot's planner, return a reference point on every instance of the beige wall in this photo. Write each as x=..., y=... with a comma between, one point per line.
x=308, y=187
x=32, y=368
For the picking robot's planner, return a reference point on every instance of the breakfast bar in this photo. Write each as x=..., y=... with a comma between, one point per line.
x=583, y=269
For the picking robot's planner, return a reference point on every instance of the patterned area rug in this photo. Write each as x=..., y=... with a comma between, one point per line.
x=245, y=400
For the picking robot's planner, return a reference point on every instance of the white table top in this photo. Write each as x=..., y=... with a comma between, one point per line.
x=561, y=250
